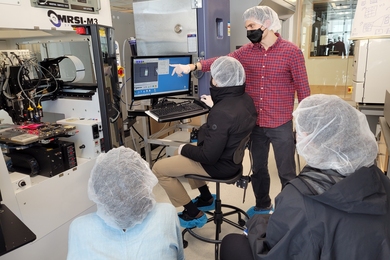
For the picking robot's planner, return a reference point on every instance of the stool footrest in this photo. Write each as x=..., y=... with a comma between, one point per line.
x=219, y=221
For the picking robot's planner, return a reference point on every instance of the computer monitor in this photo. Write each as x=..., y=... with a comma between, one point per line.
x=151, y=77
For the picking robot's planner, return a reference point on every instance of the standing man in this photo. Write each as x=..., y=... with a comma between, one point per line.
x=340, y=47
x=275, y=70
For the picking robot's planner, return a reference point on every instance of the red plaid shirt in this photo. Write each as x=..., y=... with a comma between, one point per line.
x=272, y=78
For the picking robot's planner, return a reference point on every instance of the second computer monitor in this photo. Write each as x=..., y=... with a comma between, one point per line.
x=151, y=77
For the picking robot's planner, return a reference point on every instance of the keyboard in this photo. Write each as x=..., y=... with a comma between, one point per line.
x=177, y=111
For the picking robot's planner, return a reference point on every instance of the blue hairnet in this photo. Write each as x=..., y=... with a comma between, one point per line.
x=331, y=134
x=121, y=185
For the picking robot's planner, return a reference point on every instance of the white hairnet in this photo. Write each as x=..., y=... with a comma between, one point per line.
x=121, y=185
x=331, y=134
x=260, y=14
x=227, y=72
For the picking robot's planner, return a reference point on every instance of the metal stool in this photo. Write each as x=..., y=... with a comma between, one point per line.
x=218, y=216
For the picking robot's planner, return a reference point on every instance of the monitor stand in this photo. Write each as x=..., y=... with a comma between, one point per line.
x=164, y=102
x=153, y=102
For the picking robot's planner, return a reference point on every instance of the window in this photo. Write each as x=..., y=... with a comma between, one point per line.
x=331, y=28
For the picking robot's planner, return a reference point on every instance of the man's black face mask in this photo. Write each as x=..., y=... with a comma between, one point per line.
x=254, y=35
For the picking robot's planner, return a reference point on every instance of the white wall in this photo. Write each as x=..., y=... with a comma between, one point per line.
x=329, y=71
x=237, y=29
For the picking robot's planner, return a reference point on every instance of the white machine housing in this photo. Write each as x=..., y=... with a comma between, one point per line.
x=87, y=136
x=47, y=205
x=48, y=18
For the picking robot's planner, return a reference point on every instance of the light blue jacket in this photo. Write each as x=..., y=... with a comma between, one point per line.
x=157, y=237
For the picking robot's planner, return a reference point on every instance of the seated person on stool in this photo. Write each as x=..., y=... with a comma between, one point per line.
x=128, y=224
x=338, y=207
x=231, y=118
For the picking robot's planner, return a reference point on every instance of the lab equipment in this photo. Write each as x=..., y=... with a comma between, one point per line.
x=198, y=28
x=13, y=232
x=40, y=86
x=177, y=111
x=151, y=77
x=370, y=71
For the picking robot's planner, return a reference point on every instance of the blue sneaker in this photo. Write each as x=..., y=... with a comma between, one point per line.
x=255, y=210
x=205, y=205
x=186, y=221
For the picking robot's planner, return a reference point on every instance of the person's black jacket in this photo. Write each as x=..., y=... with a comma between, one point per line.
x=232, y=118
x=323, y=215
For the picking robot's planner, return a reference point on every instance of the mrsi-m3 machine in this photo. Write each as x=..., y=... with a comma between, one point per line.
x=60, y=105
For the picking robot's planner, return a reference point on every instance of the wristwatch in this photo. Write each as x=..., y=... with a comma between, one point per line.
x=196, y=67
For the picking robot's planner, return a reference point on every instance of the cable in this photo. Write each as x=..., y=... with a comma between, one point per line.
x=124, y=69
x=136, y=147
x=131, y=104
x=120, y=96
x=159, y=153
x=138, y=133
x=5, y=85
x=113, y=120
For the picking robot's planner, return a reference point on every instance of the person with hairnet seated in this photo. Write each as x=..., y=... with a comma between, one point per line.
x=276, y=74
x=231, y=118
x=128, y=224
x=339, y=205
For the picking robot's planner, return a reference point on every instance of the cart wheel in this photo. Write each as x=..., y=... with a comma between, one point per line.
x=185, y=243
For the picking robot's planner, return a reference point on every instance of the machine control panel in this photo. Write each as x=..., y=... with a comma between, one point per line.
x=20, y=181
x=89, y=6
x=88, y=138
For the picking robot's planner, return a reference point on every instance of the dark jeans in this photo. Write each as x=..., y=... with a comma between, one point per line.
x=283, y=144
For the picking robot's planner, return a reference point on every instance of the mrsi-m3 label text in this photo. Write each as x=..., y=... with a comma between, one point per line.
x=59, y=20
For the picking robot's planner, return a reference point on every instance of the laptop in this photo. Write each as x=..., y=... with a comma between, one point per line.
x=13, y=232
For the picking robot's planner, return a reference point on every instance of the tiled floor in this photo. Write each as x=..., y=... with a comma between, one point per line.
x=230, y=194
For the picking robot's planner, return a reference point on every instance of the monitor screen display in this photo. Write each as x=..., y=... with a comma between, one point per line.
x=151, y=76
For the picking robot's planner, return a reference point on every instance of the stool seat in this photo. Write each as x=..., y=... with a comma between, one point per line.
x=217, y=216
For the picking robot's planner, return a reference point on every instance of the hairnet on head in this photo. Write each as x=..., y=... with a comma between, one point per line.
x=121, y=185
x=331, y=134
x=260, y=14
x=227, y=72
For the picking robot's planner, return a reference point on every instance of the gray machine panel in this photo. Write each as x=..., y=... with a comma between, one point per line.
x=169, y=27
x=214, y=40
x=162, y=26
